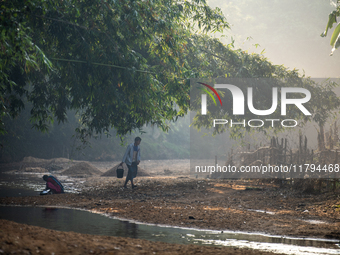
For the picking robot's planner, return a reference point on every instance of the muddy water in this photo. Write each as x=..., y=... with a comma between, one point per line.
x=30, y=184
x=14, y=185
x=96, y=224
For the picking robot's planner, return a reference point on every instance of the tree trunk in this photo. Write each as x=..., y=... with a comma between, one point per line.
x=321, y=138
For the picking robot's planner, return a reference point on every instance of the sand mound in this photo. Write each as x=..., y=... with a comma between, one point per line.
x=51, y=165
x=61, y=160
x=81, y=169
x=112, y=171
x=35, y=170
x=35, y=160
x=46, y=161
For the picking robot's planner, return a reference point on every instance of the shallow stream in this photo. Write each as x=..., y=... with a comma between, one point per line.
x=96, y=224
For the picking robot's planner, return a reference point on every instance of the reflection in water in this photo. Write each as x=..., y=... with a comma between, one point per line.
x=131, y=229
x=96, y=224
x=48, y=210
x=14, y=185
x=70, y=220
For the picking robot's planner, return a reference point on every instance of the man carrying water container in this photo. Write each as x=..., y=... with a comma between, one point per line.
x=131, y=159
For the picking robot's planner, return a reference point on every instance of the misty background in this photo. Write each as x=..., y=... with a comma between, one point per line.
x=286, y=32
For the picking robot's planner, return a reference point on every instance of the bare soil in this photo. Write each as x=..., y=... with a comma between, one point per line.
x=170, y=196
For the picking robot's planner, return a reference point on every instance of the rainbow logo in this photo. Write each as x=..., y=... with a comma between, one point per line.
x=204, y=97
x=209, y=93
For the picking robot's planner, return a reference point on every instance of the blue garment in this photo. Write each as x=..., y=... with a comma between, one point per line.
x=132, y=172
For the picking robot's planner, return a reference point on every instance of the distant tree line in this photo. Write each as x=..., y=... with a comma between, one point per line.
x=21, y=141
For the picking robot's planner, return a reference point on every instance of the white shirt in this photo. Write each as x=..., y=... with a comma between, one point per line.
x=128, y=156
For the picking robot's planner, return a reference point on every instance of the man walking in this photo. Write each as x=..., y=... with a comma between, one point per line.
x=131, y=159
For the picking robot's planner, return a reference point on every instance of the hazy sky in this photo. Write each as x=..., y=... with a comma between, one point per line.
x=288, y=30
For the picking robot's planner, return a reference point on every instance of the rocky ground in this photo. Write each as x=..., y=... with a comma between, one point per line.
x=173, y=198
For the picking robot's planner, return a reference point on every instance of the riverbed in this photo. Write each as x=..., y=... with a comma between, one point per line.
x=175, y=199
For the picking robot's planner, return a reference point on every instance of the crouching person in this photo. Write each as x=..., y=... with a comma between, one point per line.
x=53, y=186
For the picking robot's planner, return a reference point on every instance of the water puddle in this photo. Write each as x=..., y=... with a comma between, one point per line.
x=97, y=224
x=261, y=211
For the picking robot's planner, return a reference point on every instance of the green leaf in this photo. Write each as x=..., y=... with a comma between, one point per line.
x=331, y=21
x=335, y=38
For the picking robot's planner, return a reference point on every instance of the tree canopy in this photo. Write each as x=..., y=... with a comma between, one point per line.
x=119, y=64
